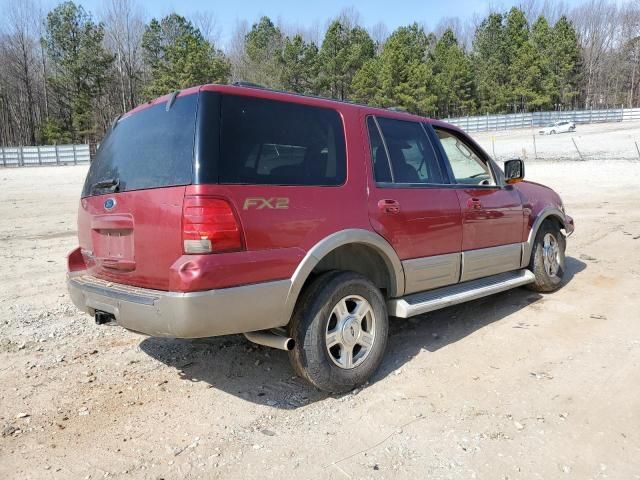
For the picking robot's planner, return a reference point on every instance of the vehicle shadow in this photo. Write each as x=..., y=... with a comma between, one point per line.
x=263, y=375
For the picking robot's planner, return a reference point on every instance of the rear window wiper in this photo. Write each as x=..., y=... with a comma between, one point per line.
x=112, y=185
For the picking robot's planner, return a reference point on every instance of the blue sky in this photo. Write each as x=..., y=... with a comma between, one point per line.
x=307, y=13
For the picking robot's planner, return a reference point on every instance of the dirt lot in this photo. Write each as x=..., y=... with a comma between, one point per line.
x=517, y=385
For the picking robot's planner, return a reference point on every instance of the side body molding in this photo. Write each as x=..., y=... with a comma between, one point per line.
x=338, y=239
x=545, y=213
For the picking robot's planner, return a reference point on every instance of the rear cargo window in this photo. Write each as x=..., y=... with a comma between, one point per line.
x=279, y=143
x=149, y=149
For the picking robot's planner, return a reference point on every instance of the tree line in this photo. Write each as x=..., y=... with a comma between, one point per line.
x=67, y=74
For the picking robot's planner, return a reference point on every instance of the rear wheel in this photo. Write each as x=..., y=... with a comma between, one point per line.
x=340, y=327
x=548, y=258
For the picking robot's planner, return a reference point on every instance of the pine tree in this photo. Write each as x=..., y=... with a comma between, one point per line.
x=343, y=52
x=490, y=61
x=263, y=49
x=299, y=65
x=79, y=69
x=547, y=82
x=453, y=77
x=179, y=56
x=402, y=76
x=566, y=62
x=522, y=63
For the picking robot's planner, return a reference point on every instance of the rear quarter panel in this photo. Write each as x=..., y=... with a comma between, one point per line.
x=276, y=239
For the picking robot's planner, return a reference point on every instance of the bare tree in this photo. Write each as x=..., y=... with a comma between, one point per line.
x=124, y=26
x=596, y=22
x=629, y=50
x=552, y=10
x=236, y=50
x=379, y=33
x=20, y=52
x=206, y=22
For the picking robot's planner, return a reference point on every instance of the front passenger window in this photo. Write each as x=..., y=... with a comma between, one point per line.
x=468, y=168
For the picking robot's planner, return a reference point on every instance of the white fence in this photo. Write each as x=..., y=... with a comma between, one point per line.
x=44, y=155
x=484, y=123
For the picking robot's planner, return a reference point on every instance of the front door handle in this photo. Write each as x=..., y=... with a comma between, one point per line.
x=474, y=204
x=389, y=206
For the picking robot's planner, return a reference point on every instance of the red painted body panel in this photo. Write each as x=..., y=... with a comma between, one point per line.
x=428, y=223
x=145, y=227
x=491, y=217
x=139, y=241
x=535, y=198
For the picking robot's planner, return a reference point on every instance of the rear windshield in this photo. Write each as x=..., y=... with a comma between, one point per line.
x=279, y=143
x=149, y=149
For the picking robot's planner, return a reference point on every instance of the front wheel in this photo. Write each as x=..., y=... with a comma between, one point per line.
x=548, y=259
x=340, y=328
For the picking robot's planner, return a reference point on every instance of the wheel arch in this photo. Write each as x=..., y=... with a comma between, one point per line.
x=356, y=250
x=549, y=213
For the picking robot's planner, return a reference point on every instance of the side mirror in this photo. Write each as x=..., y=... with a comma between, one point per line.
x=513, y=171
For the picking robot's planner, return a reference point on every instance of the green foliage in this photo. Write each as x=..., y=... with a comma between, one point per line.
x=81, y=66
x=179, y=57
x=298, y=64
x=490, y=60
x=512, y=66
x=518, y=68
x=453, y=78
x=566, y=62
x=403, y=74
x=343, y=52
x=263, y=49
x=54, y=132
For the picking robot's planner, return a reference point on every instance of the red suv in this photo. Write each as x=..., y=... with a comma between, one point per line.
x=302, y=223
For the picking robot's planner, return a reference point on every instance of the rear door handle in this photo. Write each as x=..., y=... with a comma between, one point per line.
x=474, y=204
x=389, y=206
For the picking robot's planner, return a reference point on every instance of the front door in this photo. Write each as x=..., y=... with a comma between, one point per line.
x=411, y=205
x=492, y=216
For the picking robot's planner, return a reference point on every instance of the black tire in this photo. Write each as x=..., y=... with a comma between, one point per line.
x=553, y=132
x=314, y=316
x=547, y=281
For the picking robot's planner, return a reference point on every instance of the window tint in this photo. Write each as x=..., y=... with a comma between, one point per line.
x=468, y=168
x=381, y=171
x=412, y=157
x=151, y=148
x=279, y=143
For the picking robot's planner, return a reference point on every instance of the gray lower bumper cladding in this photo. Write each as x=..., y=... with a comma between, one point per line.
x=184, y=315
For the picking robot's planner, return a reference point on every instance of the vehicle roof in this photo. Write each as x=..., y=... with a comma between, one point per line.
x=260, y=92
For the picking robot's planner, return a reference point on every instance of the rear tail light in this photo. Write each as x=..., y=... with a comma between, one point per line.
x=209, y=225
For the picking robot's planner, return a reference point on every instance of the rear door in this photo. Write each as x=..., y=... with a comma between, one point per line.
x=492, y=214
x=412, y=205
x=130, y=218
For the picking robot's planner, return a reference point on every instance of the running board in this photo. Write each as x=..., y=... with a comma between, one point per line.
x=431, y=300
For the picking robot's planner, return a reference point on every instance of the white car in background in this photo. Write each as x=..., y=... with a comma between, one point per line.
x=558, y=127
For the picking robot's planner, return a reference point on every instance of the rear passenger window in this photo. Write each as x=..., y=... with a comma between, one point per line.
x=412, y=157
x=278, y=143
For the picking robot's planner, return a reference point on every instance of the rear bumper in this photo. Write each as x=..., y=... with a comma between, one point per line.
x=184, y=315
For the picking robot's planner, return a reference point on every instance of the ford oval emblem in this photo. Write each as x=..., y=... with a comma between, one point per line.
x=109, y=203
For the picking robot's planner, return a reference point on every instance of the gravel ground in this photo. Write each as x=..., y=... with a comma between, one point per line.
x=602, y=141
x=517, y=385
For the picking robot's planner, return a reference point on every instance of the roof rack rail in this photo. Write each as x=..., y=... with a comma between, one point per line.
x=397, y=109
x=242, y=83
